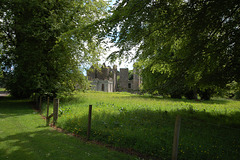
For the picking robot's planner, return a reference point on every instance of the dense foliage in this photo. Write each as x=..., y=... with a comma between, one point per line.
x=191, y=46
x=44, y=42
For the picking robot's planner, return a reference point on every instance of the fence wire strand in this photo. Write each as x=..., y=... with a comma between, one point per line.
x=209, y=140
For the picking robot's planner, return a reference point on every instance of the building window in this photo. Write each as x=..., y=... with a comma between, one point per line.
x=129, y=85
x=102, y=87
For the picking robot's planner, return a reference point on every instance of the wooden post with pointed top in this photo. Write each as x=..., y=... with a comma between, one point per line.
x=176, y=138
x=36, y=101
x=40, y=103
x=89, y=122
x=55, y=111
x=47, y=119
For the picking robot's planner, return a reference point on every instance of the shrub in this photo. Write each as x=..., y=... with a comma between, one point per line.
x=206, y=94
x=237, y=95
x=190, y=94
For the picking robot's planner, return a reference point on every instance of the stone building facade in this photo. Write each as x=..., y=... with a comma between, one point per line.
x=106, y=79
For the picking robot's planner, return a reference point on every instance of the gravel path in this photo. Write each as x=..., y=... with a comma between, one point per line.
x=3, y=93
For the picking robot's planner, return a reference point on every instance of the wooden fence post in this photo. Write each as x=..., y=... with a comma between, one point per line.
x=36, y=102
x=55, y=111
x=40, y=103
x=89, y=122
x=176, y=138
x=47, y=119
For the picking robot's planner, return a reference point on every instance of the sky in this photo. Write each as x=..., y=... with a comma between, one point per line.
x=124, y=63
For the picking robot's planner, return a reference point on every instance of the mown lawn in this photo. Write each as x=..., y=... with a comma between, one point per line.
x=209, y=129
x=2, y=89
x=24, y=136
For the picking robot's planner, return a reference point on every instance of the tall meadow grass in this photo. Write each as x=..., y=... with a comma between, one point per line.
x=145, y=124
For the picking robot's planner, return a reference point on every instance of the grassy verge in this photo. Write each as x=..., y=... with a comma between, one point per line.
x=209, y=129
x=2, y=89
x=23, y=136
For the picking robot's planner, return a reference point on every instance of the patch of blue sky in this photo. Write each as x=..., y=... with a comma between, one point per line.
x=110, y=48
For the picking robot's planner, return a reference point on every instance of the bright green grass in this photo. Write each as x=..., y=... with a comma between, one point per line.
x=23, y=136
x=209, y=129
x=2, y=89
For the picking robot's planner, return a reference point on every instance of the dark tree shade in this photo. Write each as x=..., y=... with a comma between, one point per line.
x=192, y=44
x=43, y=43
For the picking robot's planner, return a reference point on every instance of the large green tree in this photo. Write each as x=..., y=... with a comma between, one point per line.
x=44, y=42
x=193, y=44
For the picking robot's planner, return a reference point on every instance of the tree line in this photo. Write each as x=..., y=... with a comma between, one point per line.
x=44, y=43
x=184, y=48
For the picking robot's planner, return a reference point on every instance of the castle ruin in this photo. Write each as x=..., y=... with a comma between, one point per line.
x=109, y=79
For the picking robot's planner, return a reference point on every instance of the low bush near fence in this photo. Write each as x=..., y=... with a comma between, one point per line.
x=209, y=129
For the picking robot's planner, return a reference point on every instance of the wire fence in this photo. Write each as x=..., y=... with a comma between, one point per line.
x=198, y=138
x=203, y=140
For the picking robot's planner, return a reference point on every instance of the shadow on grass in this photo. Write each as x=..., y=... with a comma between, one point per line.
x=151, y=132
x=46, y=144
x=213, y=101
x=156, y=118
x=35, y=141
x=10, y=107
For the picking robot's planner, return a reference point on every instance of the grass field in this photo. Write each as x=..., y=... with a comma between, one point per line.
x=209, y=129
x=2, y=89
x=24, y=136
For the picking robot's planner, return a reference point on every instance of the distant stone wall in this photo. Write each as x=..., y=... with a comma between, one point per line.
x=123, y=82
x=105, y=79
x=114, y=71
x=102, y=85
x=136, y=80
x=91, y=73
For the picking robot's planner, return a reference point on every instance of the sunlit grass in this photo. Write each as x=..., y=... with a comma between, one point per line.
x=2, y=89
x=146, y=124
x=24, y=136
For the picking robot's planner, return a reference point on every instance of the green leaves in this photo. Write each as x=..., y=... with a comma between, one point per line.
x=195, y=41
x=52, y=39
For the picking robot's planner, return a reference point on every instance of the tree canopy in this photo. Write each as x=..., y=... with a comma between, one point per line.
x=180, y=45
x=43, y=43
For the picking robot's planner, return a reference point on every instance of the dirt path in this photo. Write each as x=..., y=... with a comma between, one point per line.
x=4, y=94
